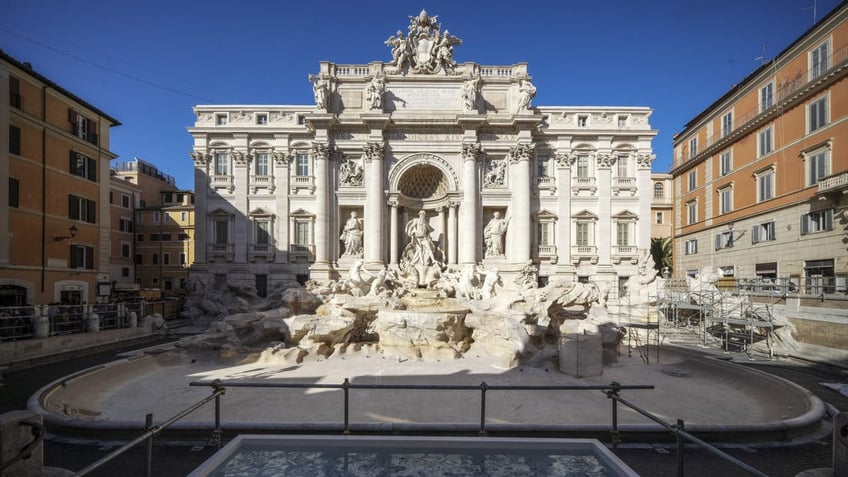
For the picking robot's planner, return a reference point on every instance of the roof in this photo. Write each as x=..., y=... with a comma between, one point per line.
x=28, y=69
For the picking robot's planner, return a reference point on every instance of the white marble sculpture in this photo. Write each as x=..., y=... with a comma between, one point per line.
x=526, y=93
x=321, y=91
x=350, y=172
x=495, y=173
x=470, y=90
x=352, y=236
x=419, y=260
x=425, y=49
x=374, y=94
x=493, y=235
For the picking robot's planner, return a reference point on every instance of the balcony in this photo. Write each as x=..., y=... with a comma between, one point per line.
x=548, y=252
x=301, y=253
x=263, y=251
x=833, y=182
x=261, y=182
x=219, y=251
x=623, y=184
x=302, y=182
x=222, y=182
x=584, y=252
x=624, y=252
x=583, y=184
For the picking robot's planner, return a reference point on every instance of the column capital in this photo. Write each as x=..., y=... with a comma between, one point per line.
x=320, y=150
x=644, y=161
x=565, y=159
x=374, y=151
x=393, y=202
x=471, y=151
x=239, y=158
x=521, y=152
x=453, y=204
x=282, y=158
x=200, y=159
x=605, y=160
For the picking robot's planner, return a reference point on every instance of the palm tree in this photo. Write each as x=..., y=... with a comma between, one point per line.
x=661, y=252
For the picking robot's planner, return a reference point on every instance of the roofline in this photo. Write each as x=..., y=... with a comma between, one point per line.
x=28, y=69
x=744, y=83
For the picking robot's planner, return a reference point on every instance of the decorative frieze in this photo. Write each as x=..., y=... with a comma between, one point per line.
x=604, y=160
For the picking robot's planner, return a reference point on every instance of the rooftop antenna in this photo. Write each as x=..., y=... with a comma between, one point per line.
x=762, y=57
x=813, y=8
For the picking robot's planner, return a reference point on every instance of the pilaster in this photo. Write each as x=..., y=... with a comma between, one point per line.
x=604, y=236
x=645, y=192
x=470, y=232
x=520, y=230
x=201, y=191
x=282, y=159
x=374, y=205
x=320, y=157
x=564, y=161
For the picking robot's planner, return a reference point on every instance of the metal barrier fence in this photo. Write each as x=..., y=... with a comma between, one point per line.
x=611, y=391
x=42, y=321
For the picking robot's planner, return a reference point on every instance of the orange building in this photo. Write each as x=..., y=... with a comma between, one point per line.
x=662, y=206
x=761, y=180
x=124, y=196
x=54, y=219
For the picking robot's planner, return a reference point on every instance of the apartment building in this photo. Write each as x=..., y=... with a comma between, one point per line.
x=164, y=227
x=662, y=206
x=760, y=177
x=123, y=197
x=54, y=213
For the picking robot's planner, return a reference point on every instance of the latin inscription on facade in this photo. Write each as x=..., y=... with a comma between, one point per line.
x=408, y=98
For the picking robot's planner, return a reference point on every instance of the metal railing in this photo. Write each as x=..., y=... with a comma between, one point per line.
x=38, y=432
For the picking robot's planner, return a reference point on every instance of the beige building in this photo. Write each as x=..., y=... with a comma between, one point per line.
x=54, y=211
x=123, y=197
x=760, y=180
x=662, y=206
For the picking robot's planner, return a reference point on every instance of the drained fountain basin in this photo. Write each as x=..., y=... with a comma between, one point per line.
x=399, y=456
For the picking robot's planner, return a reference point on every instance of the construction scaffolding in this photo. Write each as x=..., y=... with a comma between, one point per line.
x=726, y=316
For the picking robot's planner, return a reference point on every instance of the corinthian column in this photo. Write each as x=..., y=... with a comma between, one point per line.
x=322, y=201
x=393, y=233
x=519, y=231
x=452, y=232
x=374, y=205
x=470, y=200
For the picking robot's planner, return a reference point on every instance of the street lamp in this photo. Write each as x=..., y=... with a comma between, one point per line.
x=73, y=231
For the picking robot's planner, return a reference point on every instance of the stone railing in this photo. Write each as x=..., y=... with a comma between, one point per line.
x=221, y=182
x=501, y=71
x=546, y=181
x=625, y=250
x=584, y=250
x=835, y=181
x=584, y=181
x=220, y=250
x=260, y=250
x=257, y=182
x=546, y=251
x=624, y=181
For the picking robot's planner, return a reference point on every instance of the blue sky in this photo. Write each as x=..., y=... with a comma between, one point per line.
x=147, y=63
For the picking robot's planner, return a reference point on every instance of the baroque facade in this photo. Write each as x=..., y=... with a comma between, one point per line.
x=309, y=191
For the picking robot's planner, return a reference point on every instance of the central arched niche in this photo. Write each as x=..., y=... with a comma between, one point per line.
x=423, y=182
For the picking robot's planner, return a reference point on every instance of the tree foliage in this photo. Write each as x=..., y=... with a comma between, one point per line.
x=661, y=252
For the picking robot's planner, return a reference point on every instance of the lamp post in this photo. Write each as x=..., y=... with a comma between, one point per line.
x=72, y=230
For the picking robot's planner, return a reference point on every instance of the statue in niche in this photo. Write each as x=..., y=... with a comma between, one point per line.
x=350, y=173
x=470, y=89
x=321, y=90
x=526, y=93
x=374, y=93
x=493, y=235
x=495, y=173
x=420, y=260
x=352, y=236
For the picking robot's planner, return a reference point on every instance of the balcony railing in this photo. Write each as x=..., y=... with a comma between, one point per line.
x=265, y=182
x=302, y=182
x=546, y=181
x=260, y=250
x=833, y=182
x=625, y=250
x=222, y=250
x=547, y=251
x=624, y=181
x=584, y=250
x=301, y=251
x=584, y=181
x=222, y=182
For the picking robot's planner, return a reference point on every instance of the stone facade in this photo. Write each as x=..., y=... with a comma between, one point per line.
x=276, y=186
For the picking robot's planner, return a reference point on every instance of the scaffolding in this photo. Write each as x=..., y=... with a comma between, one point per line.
x=726, y=317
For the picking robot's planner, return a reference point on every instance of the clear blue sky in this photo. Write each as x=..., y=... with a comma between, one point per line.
x=147, y=63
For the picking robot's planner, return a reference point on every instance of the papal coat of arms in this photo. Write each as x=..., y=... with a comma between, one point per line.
x=425, y=49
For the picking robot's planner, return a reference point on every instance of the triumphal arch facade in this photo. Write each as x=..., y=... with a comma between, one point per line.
x=458, y=152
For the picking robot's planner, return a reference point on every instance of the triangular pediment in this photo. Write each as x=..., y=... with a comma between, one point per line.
x=220, y=213
x=625, y=215
x=585, y=215
x=546, y=215
x=259, y=212
x=301, y=213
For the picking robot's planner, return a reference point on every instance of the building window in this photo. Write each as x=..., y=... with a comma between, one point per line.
x=766, y=97
x=14, y=92
x=14, y=192
x=80, y=208
x=166, y=217
x=583, y=166
x=693, y=147
x=764, y=142
x=659, y=218
x=261, y=118
x=301, y=164
x=622, y=121
x=582, y=121
x=727, y=124
x=182, y=237
x=155, y=259
x=14, y=140
x=221, y=163
x=125, y=225
x=817, y=114
x=125, y=201
x=154, y=237
x=168, y=197
x=763, y=232
x=726, y=162
x=82, y=256
x=262, y=285
x=139, y=259
x=221, y=119
x=183, y=260
x=222, y=231
x=166, y=258
x=166, y=237
x=543, y=166
x=622, y=233
x=180, y=198
x=156, y=217
x=301, y=233
x=724, y=240
x=692, y=212
x=183, y=216
x=543, y=233
x=691, y=247
x=125, y=272
x=261, y=164
x=139, y=216
x=154, y=280
x=818, y=166
x=139, y=237
x=125, y=250
x=819, y=60
x=83, y=166
x=693, y=179
x=82, y=127
x=818, y=221
x=262, y=232
x=765, y=185
x=301, y=119
x=582, y=234
x=659, y=190
x=725, y=199
x=622, y=168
